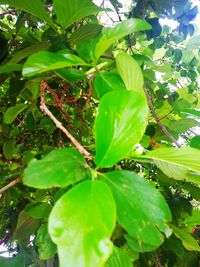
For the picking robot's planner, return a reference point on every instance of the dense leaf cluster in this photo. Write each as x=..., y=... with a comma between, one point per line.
x=99, y=143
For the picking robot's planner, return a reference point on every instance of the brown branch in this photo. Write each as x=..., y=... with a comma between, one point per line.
x=162, y=127
x=58, y=124
x=14, y=182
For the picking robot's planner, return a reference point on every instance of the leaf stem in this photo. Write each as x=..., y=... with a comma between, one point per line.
x=14, y=182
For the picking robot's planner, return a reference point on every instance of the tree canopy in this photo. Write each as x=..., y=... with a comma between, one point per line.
x=99, y=134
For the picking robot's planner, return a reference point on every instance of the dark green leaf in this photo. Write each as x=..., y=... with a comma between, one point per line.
x=9, y=148
x=46, y=61
x=38, y=210
x=120, y=125
x=60, y=168
x=81, y=224
x=10, y=68
x=107, y=81
x=195, y=142
x=71, y=75
x=17, y=261
x=144, y=225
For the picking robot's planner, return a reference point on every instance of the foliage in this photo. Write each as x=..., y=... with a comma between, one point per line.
x=99, y=155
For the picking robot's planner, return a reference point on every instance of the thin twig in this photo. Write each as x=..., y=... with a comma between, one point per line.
x=14, y=182
x=162, y=127
x=58, y=124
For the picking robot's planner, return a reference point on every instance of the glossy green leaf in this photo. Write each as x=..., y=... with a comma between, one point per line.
x=112, y=35
x=60, y=167
x=120, y=124
x=130, y=72
x=12, y=113
x=141, y=210
x=35, y=7
x=10, y=68
x=119, y=259
x=46, y=61
x=68, y=11
x=178, y=162
x=85, y=32
x=107, y=81
x=188, y=241
x=46, y=247
x=81, y=224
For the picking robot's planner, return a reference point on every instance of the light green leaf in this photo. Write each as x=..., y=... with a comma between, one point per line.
x=107, y=81
x=68, y=11
x=191, y=111
x=112, y=35
x=46, y=61
x=85, y=32
x=120, y=124
x=130, y=72
x=182, y=125
x=193, y=43
x=60, y=167
x=46, y=247
x=133, y=194
x=12, y=113
x=10, y=68
x=188, y=241
x=177, y=162
x=81, y=224
x=119, y=259
x=35, y=7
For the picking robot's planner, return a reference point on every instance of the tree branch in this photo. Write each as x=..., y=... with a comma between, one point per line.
x=58, y=124
x=162, y=127
x=14, y=182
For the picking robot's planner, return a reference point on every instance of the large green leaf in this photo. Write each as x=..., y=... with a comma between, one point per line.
x=46, y=61
x=188, y=241
x=119, y=258
x=130, y=72
x=81, y=224
x=107, y=81
x=68, y=11
x=60, y=167
x=178, y=162
x=35, y=7
x=111, y=35
x=16, y=261
x=141, y=210
x=85, y=32
x=12, y=112
x=120, y=124
x=46, y=247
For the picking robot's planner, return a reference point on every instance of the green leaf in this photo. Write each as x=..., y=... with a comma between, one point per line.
x=60, y=167
x=81, y=224
x=38, y=210
x=12, y=113
x=21, y=54
x=120, y=124
x=68, y=12
x=9, y=148
x=195, y=142
x=112, y=35
x=177, y=162
x=188, y=241
x=107, y=81
x=46, y=247
x=193, y=43
x=10, y=68
x=16, y=261
x=191, y=111
x=71, y=75
x=143, y=215
x=119, y=259
x=85, y=32
x=46, y=61
x=35, y=7
x=85, y=49
x=182, y=125
x=130, y=72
